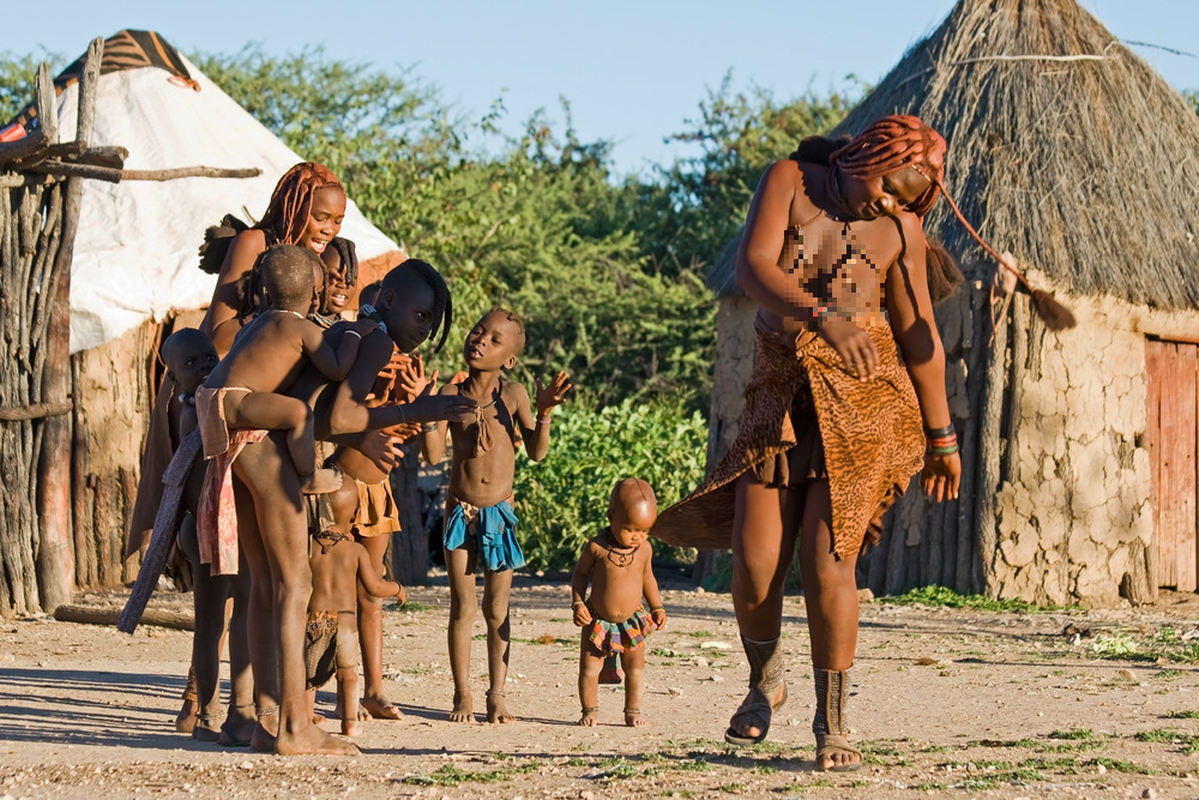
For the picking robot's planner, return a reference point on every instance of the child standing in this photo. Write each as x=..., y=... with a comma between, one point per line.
x=267, y=355
x=616, y=564
x=189, y=357
x=480, y=525
x=340, y=566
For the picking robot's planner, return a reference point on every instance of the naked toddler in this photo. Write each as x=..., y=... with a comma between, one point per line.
x=616, y=564
x=339, y=566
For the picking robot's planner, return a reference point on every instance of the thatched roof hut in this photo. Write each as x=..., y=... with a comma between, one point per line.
x=1079, y=448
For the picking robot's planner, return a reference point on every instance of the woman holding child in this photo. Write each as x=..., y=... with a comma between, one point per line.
x=835, y=423
x=306, y=209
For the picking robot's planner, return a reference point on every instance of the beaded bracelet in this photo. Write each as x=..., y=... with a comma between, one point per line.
x=944, y=445
x=543, y=420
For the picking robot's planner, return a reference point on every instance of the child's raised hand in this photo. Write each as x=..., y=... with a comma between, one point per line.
x=581, y=615
x=411, y=381
x=554, y=394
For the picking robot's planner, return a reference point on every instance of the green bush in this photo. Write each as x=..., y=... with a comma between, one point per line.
x=562, y=500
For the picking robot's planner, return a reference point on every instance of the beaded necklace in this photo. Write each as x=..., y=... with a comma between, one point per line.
x=367, y=311
x=618, y=558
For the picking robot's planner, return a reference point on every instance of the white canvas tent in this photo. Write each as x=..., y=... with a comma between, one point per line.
x=135, y=252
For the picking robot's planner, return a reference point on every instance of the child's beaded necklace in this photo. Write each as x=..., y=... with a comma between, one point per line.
x=618, y=558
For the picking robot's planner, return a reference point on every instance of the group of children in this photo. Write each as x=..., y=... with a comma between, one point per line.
x=247, y=394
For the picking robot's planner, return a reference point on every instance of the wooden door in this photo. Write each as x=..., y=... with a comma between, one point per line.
x=1173, y=433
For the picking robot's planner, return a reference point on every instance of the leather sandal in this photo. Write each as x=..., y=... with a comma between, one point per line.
x=765, y=679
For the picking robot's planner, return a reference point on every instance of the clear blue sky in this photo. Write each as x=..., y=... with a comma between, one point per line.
x=633, y=71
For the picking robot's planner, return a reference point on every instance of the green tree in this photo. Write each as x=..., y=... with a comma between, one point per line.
x=534, y=222
x=739, y=132
x=17, y=77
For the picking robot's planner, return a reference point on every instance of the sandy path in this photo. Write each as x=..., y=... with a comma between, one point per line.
x=960, y=702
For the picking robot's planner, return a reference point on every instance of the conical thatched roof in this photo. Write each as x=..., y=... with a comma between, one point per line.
x=1064, y=147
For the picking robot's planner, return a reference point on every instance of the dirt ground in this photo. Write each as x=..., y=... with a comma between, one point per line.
x=946, y=702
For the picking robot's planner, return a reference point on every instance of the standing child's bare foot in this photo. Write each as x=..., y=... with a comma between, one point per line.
x=238, y=728
x=464, y=707
x=185, y=720
x=206, y=729
x=590, y=716
x=497, y=709
x=632, y=718
x=380, y=708
x=340, y=713
x=322, y=481
x=311, y=740
x=263, y=738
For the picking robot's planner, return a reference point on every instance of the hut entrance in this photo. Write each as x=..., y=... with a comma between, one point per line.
x=1173, y=369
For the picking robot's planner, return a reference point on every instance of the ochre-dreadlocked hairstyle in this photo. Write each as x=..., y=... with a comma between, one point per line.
x=291, y=202
x=891, y=143
x=902, y=140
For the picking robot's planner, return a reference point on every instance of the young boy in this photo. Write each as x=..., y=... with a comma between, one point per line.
x=480, y=525
x=340, y=567
x=190, y=357
x=616, y=564
x=244, y=391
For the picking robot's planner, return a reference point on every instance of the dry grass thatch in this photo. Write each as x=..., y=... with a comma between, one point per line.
x=1064, y=147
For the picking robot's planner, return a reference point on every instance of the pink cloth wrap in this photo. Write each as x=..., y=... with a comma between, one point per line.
x=216, y=516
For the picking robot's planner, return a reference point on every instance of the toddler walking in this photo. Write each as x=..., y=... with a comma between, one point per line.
x=616, y=564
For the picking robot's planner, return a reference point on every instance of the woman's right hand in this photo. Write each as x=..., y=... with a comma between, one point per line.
x=857, y=350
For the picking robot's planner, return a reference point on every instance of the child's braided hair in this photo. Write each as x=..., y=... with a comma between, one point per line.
x=348, y=254
x=291, y=202
x=443, y=304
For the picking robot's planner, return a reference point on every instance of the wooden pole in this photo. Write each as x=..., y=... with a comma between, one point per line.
x=969, y=496
x=409, y=547
x=990, y=456
x=56, y=555
x=35, y=411
x=108, y=616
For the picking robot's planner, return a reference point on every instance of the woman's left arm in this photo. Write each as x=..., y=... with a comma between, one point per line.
x=910, y=311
